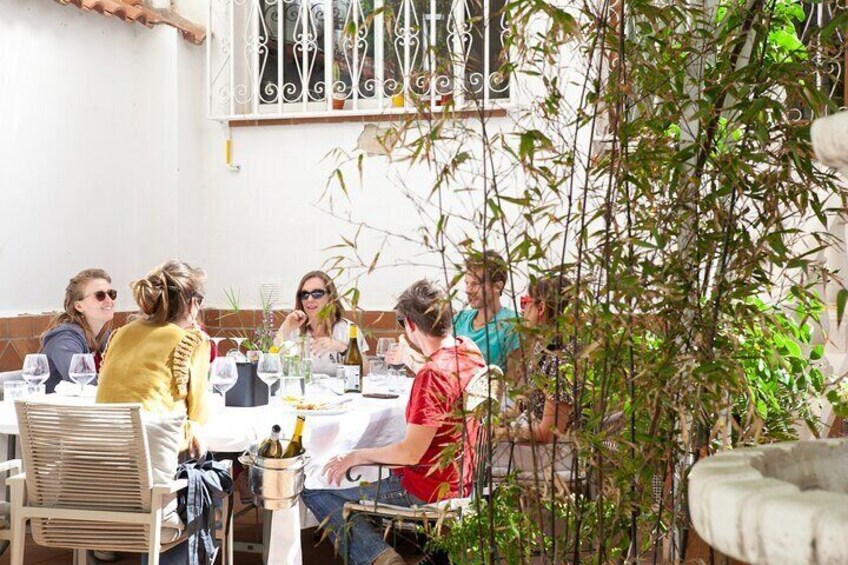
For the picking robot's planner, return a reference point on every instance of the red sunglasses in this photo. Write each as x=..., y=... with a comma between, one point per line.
x=525, y=302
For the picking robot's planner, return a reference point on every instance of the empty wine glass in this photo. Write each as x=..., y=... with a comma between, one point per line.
x=236, y=353
x=223, y=374
x=217, y=341
x=396, y=371
x=384, y=345
x=269, y=369
x=36, y=369
x=82, y=370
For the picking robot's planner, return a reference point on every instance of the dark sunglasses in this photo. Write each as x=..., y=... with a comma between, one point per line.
x=317, y=294
x=401, y=322
x=199, y=297
x=101, y=295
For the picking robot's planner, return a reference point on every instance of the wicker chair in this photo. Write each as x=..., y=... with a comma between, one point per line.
x=485, y=386
x=87, y=484
x=11, y=467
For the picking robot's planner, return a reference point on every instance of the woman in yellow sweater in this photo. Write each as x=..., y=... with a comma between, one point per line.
x=161, y=359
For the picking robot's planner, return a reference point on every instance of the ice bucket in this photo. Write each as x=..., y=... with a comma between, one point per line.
x=276, y=484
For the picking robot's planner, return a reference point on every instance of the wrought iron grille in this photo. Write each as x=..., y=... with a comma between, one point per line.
x=297, y=58
x=831, y=57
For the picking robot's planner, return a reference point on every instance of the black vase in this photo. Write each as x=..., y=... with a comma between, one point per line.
x=249, y=390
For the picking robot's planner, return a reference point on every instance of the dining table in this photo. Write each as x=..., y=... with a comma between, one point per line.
x=353, y=421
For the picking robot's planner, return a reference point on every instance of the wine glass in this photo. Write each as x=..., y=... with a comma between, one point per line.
x=36, y=369
x=236, y=353
x=269, y=369
x=396, y=370
x=384, y=345
x=223, y=375
x=217, y=341
x=82, y=370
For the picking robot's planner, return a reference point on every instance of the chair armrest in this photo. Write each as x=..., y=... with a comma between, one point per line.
x=380, y=466
x=13, y=466
x=170, y=487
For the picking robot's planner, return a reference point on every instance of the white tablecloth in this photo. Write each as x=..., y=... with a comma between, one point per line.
x=366, y=422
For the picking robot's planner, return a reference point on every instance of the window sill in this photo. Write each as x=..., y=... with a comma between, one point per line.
x=347, y=116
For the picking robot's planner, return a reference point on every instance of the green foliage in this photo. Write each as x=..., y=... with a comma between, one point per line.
x=782, y=373
x=675, y=187
x=263, y=336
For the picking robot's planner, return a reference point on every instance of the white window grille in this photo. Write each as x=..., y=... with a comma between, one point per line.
x=270, y=59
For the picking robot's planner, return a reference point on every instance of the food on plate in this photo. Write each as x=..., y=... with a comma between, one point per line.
x=303, y=404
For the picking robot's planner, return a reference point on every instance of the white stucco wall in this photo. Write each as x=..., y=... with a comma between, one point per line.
x=110, y=162
x=89, y=175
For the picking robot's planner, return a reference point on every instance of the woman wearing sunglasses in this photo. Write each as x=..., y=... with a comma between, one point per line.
x=318, y=313
x=550, y=409
x=83, y=326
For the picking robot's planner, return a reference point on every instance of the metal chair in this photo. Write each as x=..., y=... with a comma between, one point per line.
x=483, y=388
x=87, y=484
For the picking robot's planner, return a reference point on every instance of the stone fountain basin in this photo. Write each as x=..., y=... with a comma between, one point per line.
x=782, y=503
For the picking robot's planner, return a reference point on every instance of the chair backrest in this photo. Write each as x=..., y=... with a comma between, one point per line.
x=485, y=386
x=84, y=457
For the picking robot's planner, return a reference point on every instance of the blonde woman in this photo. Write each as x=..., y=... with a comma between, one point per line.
x=84, y=324
x=161, y=359
x=318, y=313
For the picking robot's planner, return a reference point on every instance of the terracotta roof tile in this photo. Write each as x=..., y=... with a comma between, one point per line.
x=135, y=11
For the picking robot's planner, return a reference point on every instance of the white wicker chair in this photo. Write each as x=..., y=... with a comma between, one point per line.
x=11, y=467
x=87, y=484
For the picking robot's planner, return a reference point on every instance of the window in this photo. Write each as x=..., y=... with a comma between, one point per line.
x=300, y=58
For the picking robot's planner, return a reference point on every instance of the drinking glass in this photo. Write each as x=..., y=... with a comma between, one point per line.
x=377, y=374
x=36, y=369
x=269, y=369
x=82, y=370
x=223, y=374
x=384, y=345
x=396, y=371
x=14, y=390
x=217, y=341
x=236, y=353
x=293, y=386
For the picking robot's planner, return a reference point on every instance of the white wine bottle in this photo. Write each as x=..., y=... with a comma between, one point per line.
x=353, y=369
x=271, y=448
x=295, y=446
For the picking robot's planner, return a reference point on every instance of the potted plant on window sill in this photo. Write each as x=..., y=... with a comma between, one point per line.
x=339, y=95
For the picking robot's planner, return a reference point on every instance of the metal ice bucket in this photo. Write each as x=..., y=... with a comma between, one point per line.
x=276, y=484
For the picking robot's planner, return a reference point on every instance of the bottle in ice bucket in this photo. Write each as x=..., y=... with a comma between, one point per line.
x=271, y=448
x=353, y=363
x=295, y=446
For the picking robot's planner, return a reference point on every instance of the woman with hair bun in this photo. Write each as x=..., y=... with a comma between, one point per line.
x=83, y=325
x=161, y=358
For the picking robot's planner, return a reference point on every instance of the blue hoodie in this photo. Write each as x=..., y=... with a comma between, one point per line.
x=60, y=344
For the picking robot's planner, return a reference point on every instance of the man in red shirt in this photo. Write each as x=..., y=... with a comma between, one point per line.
x=438, y=435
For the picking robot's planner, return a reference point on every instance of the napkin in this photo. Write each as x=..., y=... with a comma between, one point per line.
x=66, y=388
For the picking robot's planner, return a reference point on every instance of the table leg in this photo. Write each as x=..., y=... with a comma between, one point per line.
x=281, y=537
x=267, y=516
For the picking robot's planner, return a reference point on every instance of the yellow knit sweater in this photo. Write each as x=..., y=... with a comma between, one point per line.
x=162, y=366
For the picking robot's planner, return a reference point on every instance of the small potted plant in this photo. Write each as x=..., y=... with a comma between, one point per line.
x=339, y=95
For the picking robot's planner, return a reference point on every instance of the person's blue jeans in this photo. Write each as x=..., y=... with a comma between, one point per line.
x=365, y=542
